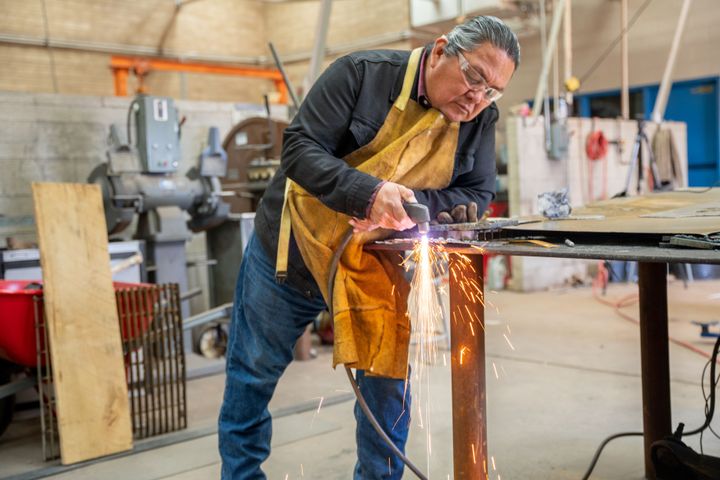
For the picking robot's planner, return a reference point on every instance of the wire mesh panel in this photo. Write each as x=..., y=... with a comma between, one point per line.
x=46, y=392
x=151, y=329
x=151, y=326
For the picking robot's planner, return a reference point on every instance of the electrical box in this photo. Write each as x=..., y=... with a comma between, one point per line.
x=158, y=134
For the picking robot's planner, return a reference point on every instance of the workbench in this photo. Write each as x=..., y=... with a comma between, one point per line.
x=468, y=380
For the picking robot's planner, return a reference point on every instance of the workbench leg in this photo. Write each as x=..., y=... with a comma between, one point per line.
x=654, y=357
x=468, y=376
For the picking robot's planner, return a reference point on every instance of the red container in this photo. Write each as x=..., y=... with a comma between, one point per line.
x=17, y=320
x=20, y=298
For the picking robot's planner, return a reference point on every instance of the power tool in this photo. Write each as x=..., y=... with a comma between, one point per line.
x=419, y=214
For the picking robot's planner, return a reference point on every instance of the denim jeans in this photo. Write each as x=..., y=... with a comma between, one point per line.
x=267, y=320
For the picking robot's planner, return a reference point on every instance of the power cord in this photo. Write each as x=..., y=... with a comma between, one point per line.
x=709, y=411
x=361, y=400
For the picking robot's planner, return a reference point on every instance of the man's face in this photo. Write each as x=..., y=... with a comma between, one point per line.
x=456, y=85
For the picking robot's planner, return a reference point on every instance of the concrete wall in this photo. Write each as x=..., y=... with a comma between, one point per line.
x=531, y=172
x=61, y=138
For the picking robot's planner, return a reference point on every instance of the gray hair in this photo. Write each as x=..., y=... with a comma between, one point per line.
x=478, y=30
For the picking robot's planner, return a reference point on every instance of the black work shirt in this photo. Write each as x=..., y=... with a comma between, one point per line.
x=342, y=112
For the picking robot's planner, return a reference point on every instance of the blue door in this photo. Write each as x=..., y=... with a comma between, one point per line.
x=695, y=102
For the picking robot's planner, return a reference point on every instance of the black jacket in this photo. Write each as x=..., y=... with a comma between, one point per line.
x=342, y=112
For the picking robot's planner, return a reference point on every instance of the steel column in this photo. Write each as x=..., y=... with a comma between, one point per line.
x=468, y=377
x=655, y=358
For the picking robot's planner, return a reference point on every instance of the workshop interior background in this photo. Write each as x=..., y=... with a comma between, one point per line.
x=59, y=95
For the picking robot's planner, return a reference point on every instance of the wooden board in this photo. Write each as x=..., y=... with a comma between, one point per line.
x=688, y=211
x=85, y=347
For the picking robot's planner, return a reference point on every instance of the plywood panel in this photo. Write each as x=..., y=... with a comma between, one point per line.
x=91, y=390
x=689, y=211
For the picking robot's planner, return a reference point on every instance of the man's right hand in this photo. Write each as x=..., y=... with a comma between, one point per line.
x=387, y=210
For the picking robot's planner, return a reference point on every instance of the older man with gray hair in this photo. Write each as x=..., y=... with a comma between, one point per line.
x=378, y=128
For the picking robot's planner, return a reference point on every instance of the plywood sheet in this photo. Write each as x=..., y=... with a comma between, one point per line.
x=688, y=211
x=86, y=352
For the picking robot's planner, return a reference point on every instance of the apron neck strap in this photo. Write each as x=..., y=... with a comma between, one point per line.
x=412, y=67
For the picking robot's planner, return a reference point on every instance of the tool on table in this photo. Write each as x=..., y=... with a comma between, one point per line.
x=419, y=214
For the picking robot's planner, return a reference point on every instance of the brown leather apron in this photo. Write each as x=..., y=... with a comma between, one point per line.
x=415, y=147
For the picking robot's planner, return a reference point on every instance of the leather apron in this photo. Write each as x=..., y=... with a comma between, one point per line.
x=415, y=147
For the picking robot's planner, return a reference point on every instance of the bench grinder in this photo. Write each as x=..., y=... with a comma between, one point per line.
x=141, y=178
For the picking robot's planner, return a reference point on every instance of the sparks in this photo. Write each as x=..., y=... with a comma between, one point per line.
x=508, y=341
x=473, y=453
x=496, y=373
x=425, y=313
x=317, y=412
x=462, y=354
x=493, y=462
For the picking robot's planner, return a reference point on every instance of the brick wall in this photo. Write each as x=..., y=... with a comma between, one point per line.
x=226, y=28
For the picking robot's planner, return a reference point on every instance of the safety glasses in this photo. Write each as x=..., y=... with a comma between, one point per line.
x=476, y=82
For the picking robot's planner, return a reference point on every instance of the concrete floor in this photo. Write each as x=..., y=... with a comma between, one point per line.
x=572, y=379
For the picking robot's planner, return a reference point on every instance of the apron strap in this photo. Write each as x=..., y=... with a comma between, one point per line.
x=409, y=79
x=281, y=262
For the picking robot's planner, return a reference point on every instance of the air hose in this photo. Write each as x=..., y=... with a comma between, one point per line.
x=361, y=400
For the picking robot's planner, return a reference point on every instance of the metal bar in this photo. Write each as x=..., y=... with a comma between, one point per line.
x=161, y=325
x=39, y=355
x=468, y=373
x=180, y=356
x=51, y=422
x=217, y=313
x=120, y=77
x=138, y=352
x=654, y=353
x=121, y=302
x=193, y=67
x=624, y=76
x=278, y=63
x=318, y=52
x=143, y=423
x=164, y=314
x=661, y=101
x=16, y=386
x=567, y=48
x=151, y=373
x=547, y=57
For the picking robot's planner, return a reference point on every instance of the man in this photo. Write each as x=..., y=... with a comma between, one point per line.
x=378, y=128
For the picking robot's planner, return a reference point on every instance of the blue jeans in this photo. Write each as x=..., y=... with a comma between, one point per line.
x=267, y=320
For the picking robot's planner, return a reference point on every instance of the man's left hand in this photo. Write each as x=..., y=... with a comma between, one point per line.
x=460, y=214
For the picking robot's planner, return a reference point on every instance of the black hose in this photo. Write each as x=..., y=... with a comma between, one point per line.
x=708, y=414
x=713, y=386
x=361, y=400
x=602, y=446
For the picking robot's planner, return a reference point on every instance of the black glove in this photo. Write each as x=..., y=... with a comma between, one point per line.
x=460, y=214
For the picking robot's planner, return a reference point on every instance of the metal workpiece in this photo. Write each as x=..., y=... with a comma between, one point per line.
x=481, y=226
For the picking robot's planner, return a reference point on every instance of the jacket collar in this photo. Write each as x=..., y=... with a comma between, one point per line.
x=397, y=87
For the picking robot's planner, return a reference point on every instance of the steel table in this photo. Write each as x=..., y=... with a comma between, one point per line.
x=468, y=383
